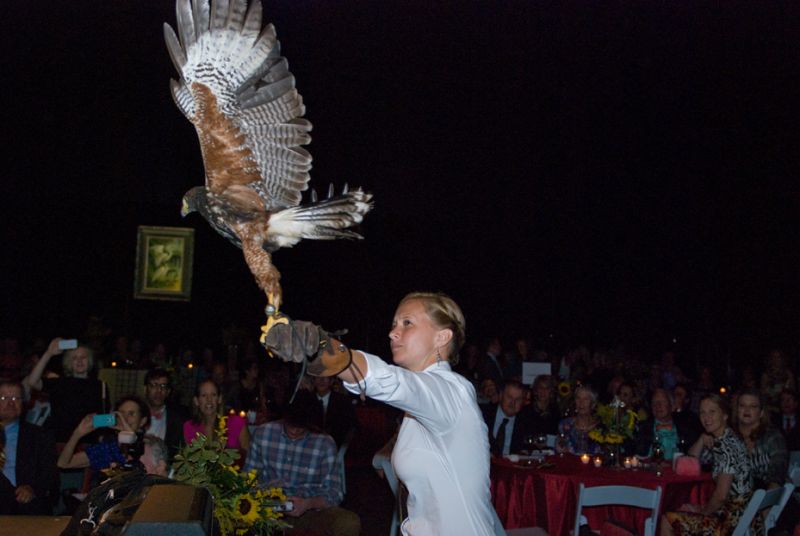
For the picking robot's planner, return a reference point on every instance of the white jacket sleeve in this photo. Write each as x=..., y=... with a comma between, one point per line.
x=434, y=396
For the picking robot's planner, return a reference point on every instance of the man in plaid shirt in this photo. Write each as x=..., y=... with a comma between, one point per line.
x=289, y=454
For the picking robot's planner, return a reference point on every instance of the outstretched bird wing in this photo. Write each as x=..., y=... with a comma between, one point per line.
x=237, y=90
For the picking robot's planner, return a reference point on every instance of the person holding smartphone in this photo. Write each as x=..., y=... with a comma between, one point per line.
x=131, y=416
x=72, y=395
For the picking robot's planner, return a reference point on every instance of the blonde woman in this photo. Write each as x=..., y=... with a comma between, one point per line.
x=442, y=449
x=73, y=395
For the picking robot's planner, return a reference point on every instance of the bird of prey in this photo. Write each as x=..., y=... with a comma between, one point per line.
x=237, y=91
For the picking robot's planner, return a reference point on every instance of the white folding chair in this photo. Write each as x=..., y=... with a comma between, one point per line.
x=620, y=495
x=774, y=499
x=775, y=512
x=794, y=476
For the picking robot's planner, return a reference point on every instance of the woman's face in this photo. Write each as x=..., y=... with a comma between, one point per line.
x=583, y=403
x=413, y=337
x=748, y=410
x=626, y=395
x=681, y=396
x=713, y=419
x=207, y=400
x=543, y=393
x=132, y=414
x=80, y=361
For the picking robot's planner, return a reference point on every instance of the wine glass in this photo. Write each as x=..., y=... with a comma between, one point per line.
x=562, y=444
x=528, y=442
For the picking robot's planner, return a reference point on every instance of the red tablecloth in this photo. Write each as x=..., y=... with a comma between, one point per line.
x=528, y=497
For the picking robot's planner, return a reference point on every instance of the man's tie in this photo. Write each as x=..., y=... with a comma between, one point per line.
x=500, y=438
x=322, y=409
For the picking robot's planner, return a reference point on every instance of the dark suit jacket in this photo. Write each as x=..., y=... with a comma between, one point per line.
x=339, y=419
x=36, y=467
x=518, y=432
x=792, y=435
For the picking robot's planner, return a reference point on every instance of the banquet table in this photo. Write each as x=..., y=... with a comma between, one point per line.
x=529, y=496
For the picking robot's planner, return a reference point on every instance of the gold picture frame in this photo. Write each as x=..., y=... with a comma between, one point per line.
x=164, y=257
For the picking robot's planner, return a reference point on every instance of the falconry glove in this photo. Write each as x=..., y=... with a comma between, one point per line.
x=298, y=340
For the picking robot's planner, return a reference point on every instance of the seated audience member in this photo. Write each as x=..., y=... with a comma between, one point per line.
x=733, y=479
x=488, y=393
x=507, y=424
x=71, y=396
x=765, y=444
x=468, y=365
x=671, y=373
x=584, y=419
x=788, y=419
x=492, y=364
x=132, y=414
x=287, y=453
x=662, y=426
x=705, y=385
x=335, y=414
x=543, y=413
x=207, y=411
x=626, y=393
x=166, y=420
x=245, y=394
x=29, y=478
x=684, y=417
x=682, y=396
x=777, y=377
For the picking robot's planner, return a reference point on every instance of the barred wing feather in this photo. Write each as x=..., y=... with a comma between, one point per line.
x=237, y=90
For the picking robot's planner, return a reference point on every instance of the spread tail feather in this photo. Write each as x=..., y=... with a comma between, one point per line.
x=323, y=220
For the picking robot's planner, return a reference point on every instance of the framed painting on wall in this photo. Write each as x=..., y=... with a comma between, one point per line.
x=164, y=258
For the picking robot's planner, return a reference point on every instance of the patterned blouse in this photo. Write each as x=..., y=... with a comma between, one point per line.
x=769, y=458
x=729, y=456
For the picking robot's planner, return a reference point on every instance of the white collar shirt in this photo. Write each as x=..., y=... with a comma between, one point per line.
x=442, y=449
x=158, y=427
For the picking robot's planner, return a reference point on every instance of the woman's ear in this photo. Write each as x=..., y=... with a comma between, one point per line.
x=443, y=337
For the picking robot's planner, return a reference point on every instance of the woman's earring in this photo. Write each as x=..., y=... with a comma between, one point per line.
x=438, y=355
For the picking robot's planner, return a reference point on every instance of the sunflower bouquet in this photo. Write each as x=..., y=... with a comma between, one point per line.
x=616, y=424
x=240, y=505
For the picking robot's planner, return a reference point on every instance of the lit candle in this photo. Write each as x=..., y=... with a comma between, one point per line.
x=627, y=463
x=190, y=365
x=113, y=363
x=585, y=458
x=242, y=413
x=598, y=461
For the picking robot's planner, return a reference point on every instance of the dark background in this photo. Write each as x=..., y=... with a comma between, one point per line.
x=596, y=172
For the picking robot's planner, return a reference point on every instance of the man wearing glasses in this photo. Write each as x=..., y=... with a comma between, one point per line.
x=29, y=478
x=166, y=420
